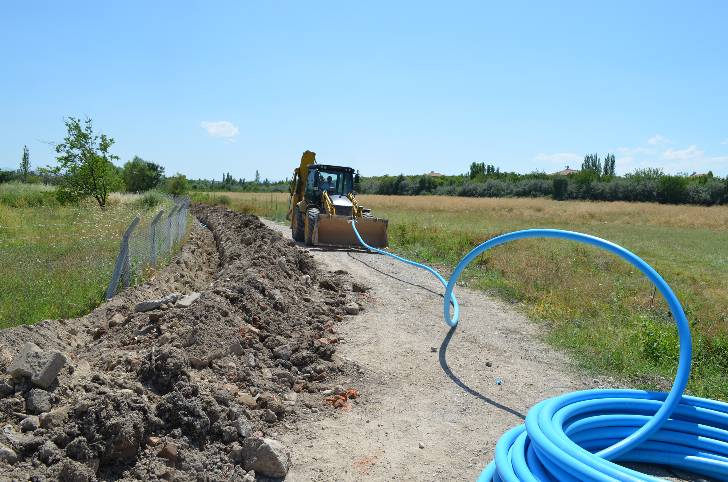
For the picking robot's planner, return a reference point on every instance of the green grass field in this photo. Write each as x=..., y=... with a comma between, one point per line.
x=56, y=260
x=591, y=303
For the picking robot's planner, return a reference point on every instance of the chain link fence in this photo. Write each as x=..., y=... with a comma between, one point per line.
x=148, y=244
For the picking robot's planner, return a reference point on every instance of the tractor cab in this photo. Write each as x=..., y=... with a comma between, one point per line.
x=336, y=181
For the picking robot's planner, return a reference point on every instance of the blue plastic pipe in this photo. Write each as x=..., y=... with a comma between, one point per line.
x=581, y=436
x=433, y=271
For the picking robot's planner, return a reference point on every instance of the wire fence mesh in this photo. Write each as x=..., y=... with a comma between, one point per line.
x=147, y=244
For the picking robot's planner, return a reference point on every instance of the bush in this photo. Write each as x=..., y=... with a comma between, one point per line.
x=150, y=199
x=21, y=195
x=560, y=188
x=672, y=189
x=177, y=185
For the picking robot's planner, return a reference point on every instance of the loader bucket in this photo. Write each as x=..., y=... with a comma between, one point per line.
x=337, y=231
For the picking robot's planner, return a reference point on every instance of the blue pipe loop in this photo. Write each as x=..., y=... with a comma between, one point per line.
x=580, y=436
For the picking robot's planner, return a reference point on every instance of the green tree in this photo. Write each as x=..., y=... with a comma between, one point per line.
x=257, y=177
x=177, y=185
x=25, y=164
x=140, y=175
x=85, y=164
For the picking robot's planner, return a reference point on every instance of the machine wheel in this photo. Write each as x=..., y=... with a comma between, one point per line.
x=298, y=227
x=311, y=219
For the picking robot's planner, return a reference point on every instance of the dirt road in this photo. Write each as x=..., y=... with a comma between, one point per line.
x=434, y=402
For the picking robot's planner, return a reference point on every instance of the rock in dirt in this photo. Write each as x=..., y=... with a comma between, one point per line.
x=169, y=452
x=351, y=308
x=149, y=305
x=186, y=301
x=6, y=389
x=7, y=455
x=266, y=456
x=41, y=366
x=116, y=320
x=38, y=401
x=30, y=424
x=54, y=419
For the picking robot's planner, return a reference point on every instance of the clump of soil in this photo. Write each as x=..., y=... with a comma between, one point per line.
x=183, y=391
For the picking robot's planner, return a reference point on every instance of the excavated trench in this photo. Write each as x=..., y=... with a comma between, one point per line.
x=161, y=384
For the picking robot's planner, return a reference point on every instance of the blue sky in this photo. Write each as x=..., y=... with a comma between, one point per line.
x=387, y=87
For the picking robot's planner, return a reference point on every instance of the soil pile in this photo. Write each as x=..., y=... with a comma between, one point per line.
x=187, y=377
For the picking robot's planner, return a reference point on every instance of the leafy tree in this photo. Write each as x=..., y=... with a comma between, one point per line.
x=140, y=175
x=85, y=164
x=257, y=177
x=592, y=163
x=609, y=163
x=560, y=188
x=177, y=185
x=25, y=164
x=477, y=169
x=672, y=189
x=5, y=176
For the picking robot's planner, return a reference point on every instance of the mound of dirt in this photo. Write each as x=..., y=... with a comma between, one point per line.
x=187, y=377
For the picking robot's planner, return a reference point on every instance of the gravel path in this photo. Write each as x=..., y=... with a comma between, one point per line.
x=430, y=406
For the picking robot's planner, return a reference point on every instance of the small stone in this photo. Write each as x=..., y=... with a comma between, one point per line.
x=236, y=348
x=169, y=452
x=242, y=425
x=266, y=456
x=30, y=423
x=229, y=434
x=236, y=453
x=359, y=287
x=153, y=441
x=282, y=264
x=422, y=445
x=8, y=455
x=488, y=364
x=55, y=418
x=49, y=453
x=351, y=308
x=115, y=320
x=102, y=327
x=339, y=389
x=248, y=400
x=186, y=301
x=268, y=416
x=41, y=366
x=199, y=363
x=6, y=389
x=306, y=279
x=282, y=352
x=38, y=401
x=156, y=304
x=433, y=349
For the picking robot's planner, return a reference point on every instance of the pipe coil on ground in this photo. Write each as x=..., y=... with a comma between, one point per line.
x=584, y=435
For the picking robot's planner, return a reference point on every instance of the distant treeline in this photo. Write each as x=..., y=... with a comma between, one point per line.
x=594, y=181
x=228, y=183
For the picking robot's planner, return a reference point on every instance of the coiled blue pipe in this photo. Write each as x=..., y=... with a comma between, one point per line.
x=579, y=436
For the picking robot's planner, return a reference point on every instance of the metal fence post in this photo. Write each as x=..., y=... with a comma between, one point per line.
x=122, y=261
x=153, y=237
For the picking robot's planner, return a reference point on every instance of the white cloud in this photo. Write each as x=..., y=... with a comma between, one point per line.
x=632, y=151
x=223, y=129
x=558, y=157
x=658, y=140
x=687, y=154
x=725, y=142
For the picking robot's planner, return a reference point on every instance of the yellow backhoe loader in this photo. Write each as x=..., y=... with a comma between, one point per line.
x=323, y=203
